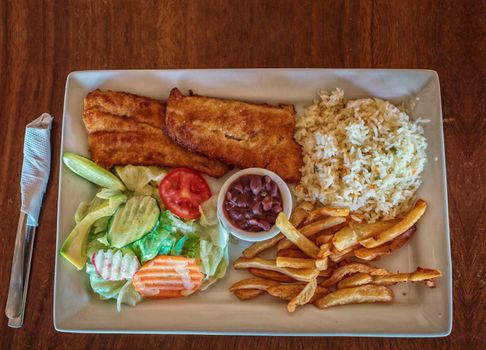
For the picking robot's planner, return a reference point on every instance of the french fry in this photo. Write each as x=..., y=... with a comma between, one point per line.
x=300, y=213
x=326, y=273
x=410, y=219
x=292, y=253
x=305, y=205
x=338, y=256
x=355, y=280
x=271, y=275
x=325, y=250
x=356, y=295
x=319, y=212
x=296, y=237
x=259, y=263
x=288, y=291
x=253, y=283
x=352, y=268
x=351, y=234
x=322, y=263
x=304, y=263
x=258, y=247
x=319, y=293
x=327, y=234
x=420, y=274
x=385, y=249
x=304, y=296
x=345, y=261
x=311, y=229
x=246, y=294
x=296, y=263
x=297, y=217
x=323, y=239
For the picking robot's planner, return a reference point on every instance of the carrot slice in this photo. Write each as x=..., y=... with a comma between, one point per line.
x=168, y=276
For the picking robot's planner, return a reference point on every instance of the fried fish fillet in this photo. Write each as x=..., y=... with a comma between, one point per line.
x=238, y=133
x=128, y=129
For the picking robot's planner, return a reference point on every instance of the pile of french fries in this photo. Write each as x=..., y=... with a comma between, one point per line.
x=322, y=259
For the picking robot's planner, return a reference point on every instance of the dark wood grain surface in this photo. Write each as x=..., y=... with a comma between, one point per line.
x=41, y=42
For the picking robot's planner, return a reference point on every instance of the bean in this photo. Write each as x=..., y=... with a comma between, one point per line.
x=267, y=203
x=273, y=189
x=255, y=184
x=277, y=207
x=248, y=214
x=257, y=208
x=239, y=187
x=241, y=202
x=236, y=215
x=262, y=223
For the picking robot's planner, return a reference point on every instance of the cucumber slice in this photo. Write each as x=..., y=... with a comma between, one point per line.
x=92, y=172
x=133, y=220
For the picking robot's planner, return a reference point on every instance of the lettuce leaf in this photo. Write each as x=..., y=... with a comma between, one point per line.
x=209, y=226
x=214, y=261
x=101, y=225
x=105, y=289
x=172, y=223
x=139, y=178
x=209, y=211
x=170, y=236
x=123, y=291
x=155, y=194
x=157, y=242
x=128, y=295
x=96, y=243
x=213, y=246
x=186, y=246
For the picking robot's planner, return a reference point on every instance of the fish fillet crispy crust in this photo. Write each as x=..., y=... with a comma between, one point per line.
x=128, y=129
x=238, y=133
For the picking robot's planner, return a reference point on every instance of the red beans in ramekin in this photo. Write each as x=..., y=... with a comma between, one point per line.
x=252, y=203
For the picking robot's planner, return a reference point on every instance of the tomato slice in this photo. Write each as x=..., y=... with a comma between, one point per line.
x=182, y=191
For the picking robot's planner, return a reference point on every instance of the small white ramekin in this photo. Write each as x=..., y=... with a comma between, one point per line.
x=254, y=236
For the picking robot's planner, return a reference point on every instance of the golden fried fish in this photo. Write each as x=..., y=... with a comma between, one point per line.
x=237, y=133
x=128, y=129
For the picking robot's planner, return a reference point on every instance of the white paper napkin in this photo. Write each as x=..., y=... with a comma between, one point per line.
x=36, y=166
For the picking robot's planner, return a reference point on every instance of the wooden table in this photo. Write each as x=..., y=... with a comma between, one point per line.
x=41, y=42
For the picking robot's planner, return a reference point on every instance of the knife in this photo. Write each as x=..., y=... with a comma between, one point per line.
x=22, y=258
x=35, y=174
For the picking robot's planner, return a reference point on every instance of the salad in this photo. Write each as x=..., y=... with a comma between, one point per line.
x=147, y=233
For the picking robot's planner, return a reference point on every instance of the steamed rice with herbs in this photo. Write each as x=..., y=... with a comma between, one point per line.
x=365, y=154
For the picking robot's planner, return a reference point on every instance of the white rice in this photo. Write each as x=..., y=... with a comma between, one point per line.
x=362, y=154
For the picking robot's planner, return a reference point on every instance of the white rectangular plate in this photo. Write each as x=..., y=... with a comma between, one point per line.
x=417, y=311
